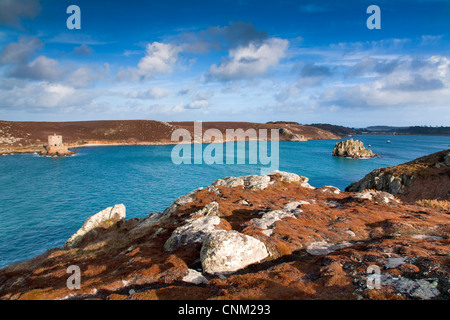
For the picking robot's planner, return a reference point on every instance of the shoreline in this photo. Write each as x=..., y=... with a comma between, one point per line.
x=118, y=144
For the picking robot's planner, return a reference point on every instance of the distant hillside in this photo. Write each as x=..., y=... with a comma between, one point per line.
x=339, y=130
x=26, y=137
x=413, y=130
x=441, y=131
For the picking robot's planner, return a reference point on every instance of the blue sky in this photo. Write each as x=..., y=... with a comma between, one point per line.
x=305, y=61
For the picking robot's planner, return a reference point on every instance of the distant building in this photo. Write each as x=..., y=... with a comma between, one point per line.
x=55, y=140
x=56, y=147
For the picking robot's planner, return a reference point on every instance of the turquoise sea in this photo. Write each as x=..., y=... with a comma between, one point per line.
x=43, y=201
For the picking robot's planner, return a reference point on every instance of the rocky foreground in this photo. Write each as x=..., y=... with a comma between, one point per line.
x=254, y=237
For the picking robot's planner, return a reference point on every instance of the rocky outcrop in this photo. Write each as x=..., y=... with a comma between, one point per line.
x=279, y=240
x=352, y=149
x=423, y=178
x=227, y=251
x=251, y=182
x=103, y=219
x=181, y=201
x=195, y=230
x=290, y=136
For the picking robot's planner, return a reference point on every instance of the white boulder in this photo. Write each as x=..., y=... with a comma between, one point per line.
x=228, y=251
x=103, y=219
x=195, y=230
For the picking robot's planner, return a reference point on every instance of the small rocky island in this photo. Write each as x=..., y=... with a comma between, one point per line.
x=352, y=149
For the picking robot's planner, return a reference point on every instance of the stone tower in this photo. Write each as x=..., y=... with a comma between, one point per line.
x=55, y=140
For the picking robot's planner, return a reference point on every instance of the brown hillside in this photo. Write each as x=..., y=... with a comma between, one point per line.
x=16, y=137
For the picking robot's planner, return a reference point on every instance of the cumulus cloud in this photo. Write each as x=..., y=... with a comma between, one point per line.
x=11, y=11
x=19, y=52
x=86, y=76
x=160, y=58
x=200, y=100
x=43, y=96
x=404, y=86
x=16, y=57
x=41, y=68
x=250, y=61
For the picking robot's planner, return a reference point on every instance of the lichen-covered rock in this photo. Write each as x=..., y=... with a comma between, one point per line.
x=322, y=247
x=417, y=288
x=195, y=230
x=152, y=219
x=377, y=197
x=103, y=219
x=362, y=195
x=268, y=219
x=352, y=149
x=329, y=189
x=181, y=201
x=229, y=182
x=228, y=251
x=447, y=159
x=307, y=185
x=255, y=182
x=211, y=209
x=194, y=277
x=289, y=177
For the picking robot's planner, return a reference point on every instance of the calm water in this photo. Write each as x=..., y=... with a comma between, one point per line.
x=43, y=201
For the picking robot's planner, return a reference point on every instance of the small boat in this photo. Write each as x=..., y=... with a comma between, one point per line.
x=389, y=141
x=370, y=145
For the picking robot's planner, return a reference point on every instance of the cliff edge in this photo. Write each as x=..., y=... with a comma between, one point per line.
x=427, y=177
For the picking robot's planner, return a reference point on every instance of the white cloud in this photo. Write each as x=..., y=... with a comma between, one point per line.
x=41, y=96
x=41, y=68
x=86, y=76
x=198, y=104
x=411, y=83
x=159, y=58
x=250, y=61
x=20, y=51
